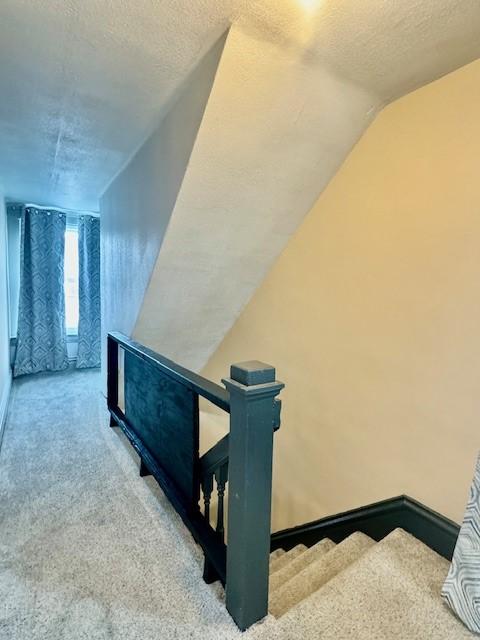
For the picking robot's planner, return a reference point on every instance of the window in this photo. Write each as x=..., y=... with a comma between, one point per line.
x=71, y=280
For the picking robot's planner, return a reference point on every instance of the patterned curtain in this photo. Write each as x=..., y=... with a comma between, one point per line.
x=89, y=292
x=41, y=339
x=461, y=590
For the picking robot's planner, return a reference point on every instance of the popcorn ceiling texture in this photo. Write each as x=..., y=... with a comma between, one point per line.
x=83, y=83
x=284, y=112
x=86, y=83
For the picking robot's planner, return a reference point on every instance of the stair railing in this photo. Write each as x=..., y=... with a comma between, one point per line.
x=161, y=420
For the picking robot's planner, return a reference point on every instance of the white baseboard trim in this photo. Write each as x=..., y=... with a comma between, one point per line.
x=4, y=400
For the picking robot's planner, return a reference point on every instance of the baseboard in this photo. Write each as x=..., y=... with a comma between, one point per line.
x=4, y=400
x=377, y=520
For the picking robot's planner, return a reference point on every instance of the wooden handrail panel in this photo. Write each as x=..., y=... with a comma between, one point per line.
x=209, y=390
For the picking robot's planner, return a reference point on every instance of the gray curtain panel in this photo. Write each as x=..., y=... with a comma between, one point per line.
x=41, y=339
x=462, y=586
x=89, y=292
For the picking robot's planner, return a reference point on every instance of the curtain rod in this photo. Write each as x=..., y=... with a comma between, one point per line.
x=72, y=212
x=68, y=212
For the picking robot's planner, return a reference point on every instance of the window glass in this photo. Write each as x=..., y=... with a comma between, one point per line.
x=71, y=281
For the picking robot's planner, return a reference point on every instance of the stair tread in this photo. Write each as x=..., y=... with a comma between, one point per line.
x=391, y=592
x=284, y=559
x=276, y=554
x=317, y=573
x=299, y=563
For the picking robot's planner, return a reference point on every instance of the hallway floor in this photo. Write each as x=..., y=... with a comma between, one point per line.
x=88, y=549
x=91, y=551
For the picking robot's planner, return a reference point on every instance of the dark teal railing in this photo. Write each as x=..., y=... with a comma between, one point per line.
x=161, y=420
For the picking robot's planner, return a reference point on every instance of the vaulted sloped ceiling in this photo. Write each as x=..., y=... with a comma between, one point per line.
x=274, y=131
x=84, y=83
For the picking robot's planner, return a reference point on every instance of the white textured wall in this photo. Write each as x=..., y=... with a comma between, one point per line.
x=136, y=208
x=5, y=374
x=13, y=237
x=276, y=128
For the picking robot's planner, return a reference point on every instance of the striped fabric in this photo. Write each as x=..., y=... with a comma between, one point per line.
x=462, y=587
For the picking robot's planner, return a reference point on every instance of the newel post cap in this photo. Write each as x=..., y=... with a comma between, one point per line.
x=252, y=372
x=253, y=378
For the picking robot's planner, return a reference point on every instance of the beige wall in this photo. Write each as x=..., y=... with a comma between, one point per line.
x=372, y=317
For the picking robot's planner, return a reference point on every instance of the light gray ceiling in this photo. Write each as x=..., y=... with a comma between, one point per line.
x=84, y=82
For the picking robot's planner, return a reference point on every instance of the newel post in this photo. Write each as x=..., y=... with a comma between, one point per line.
x=253, y=414
x=112, y=376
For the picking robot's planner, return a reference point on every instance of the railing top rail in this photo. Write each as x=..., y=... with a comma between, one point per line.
x=211, y=391
x=215, y=457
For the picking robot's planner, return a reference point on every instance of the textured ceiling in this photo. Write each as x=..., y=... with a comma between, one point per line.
x=84, y=82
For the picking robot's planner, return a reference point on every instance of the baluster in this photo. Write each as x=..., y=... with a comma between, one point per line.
x=221, y=477
x=207, y=488
x=209, y=573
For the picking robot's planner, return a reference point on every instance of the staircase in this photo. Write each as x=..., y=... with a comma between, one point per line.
x=325, y=579
x=360, y=589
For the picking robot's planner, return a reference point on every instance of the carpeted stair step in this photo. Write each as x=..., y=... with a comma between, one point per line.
x=276, y=554
x=284, y=559
x=317, y=573
x=299, y=563
x=392, y=592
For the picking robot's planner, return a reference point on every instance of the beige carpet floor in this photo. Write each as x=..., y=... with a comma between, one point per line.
x=91, y=551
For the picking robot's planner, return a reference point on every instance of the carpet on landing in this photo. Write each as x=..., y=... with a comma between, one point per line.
x=91, y=551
